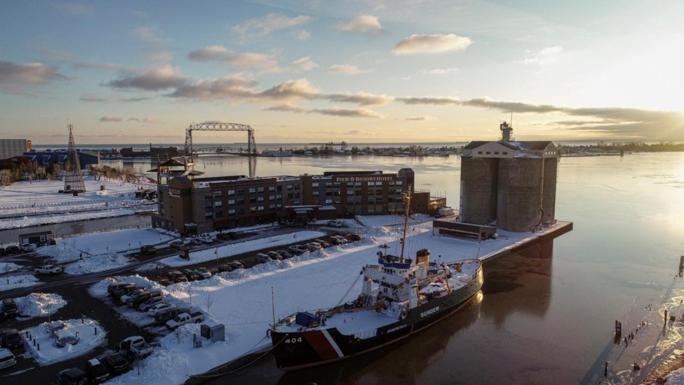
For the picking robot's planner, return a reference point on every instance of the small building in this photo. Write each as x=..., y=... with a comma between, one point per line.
x=462, y=229
x=39, y=238
x=49, y=158
x=10, y=148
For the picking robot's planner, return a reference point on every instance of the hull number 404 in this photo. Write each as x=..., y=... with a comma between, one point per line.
x=293, y=340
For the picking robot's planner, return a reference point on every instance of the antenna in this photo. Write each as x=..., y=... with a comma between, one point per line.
x=511, y=118
x=273, y=307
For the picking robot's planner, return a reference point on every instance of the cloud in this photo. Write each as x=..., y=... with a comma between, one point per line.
x=441, y=71
x=262, y=26
x=103, y=99
x=346, y=69
x=419, y=118
x=349, y=113
x=303, y=64
x=244, y=60
x=75, y=9
x=290, y=89
x=27, y=74
x=156, y=79
x=436, y=100
x=286, y=107
x=545, y=56
x=302, y=34
x=111, y=119
x=361, y=23
x=431, y=44
x=222, y=88
x=143, y=120
x=361, y=98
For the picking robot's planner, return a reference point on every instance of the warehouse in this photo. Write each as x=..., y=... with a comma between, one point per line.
x=507, y=183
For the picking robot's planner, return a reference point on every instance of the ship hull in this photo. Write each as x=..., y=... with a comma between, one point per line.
x=302, y=349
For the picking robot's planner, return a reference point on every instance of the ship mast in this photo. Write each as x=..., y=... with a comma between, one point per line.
x=407, y=208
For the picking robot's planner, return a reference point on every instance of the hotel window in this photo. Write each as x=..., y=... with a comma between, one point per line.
x=231, y=211
x=231, y=201
x=261, y=208
x=217, y=194
x=271, y=188
x=218, y=203
x=260, y=199
x=260, y=189
x=315, y=184
x=231, y=192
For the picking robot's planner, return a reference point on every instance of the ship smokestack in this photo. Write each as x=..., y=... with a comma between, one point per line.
x=506, y=130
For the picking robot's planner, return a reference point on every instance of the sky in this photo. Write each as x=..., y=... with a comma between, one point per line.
x=354, y=70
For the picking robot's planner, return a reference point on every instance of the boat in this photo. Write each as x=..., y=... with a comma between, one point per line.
x=399, y=297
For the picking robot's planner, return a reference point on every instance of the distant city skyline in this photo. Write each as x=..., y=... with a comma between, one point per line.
x=362, y=71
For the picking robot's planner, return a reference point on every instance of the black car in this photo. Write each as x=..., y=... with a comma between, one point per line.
x=13, y=249
x=237, y=265
x=72, y=376
x=8, y=308
x=96, y=371
x=225, y=267
x=148, y=250
x=117, y=363
x=285, y=254
x=10, y=339
x=2, y=251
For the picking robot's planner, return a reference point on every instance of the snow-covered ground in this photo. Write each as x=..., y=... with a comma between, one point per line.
x=675, y=378
x=6, y=267
x=89, y=332
x=242, y=247
x=390, y=220
x=94, y=252
x=39, y=305
x=241, y=299
x=31, y=203
x=9, y=282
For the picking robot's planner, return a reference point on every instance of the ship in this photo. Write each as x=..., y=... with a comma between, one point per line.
x=399, y=297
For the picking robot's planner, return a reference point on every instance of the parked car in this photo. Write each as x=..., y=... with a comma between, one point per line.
x=67, y=339
x=116, y=363
x=274, y=255
x=163, y=315
x=313, y=246
x=12, y=249
x=207, y=238
x=236, y=264
x=203, y=272
x=49, y=270
x=96, y=371
x=226, y=236
x=136, y=346
x=119, y=286
x=72, y=376
x=185, y=318
x=336, y=223
x=285, y=254
x=225, y=267
x=148, y=250
x=353, y=237
x=159, y=307
x=191, y=274
x=10, y=339
x=339, y=240
x=8, y=308
x=195, y=241
x=176, y=244
x=296, y=250
x=7, y=359
x=28, y=247
x=119, y=292
x=262, y=258
x=323, y=243
x=145, y=306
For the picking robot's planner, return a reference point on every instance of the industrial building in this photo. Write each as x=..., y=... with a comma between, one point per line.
x=190, y=204
x=10, y=148
x=507, y=183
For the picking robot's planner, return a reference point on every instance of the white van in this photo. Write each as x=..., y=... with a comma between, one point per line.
x=7, y=359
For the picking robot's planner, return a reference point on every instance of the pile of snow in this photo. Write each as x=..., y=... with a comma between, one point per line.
x=242, y=247
x=89, y=332
x=9, y=282
x=39, y=304
x=99, y=290
x=6, y=267
x=92, y=264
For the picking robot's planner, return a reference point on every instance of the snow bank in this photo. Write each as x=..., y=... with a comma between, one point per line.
x=242, y=247
x=6, y=267
x=89, y=332
x=92, y=264
x=39, y=304
x=10, y=282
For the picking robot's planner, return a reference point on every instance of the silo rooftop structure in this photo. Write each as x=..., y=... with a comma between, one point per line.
x=509, y=183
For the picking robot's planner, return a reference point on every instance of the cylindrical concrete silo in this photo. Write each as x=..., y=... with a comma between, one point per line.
x=549, y=195
x=519, y=193
x=478, y=190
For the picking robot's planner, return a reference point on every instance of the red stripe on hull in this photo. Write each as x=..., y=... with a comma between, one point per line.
x=320, y=344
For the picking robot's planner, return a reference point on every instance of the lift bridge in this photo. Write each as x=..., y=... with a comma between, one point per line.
x=223, y=126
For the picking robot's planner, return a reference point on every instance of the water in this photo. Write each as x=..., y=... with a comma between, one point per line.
x=544, y=316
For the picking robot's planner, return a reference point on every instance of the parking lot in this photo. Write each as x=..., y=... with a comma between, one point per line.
x=128, y=313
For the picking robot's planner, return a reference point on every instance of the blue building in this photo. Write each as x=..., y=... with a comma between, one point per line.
x=49, y=157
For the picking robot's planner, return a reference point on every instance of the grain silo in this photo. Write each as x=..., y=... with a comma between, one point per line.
x=478, y=190
x=512, y=183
